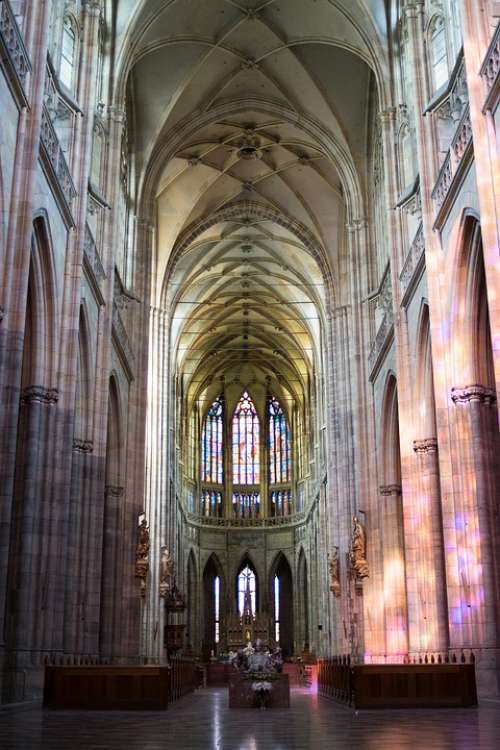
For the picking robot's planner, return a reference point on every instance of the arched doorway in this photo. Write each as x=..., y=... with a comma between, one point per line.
x=394, y=569
x=303, y=604
x=282, y=605
x=213, y=608
x=192, y=636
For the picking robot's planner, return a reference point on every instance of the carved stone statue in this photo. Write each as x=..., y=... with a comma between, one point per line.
x=358, y=549
x=334, y=567
x=142, y=555
x=166, y=572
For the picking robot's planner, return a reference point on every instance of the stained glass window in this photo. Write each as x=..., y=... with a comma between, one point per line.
x=246, y=446
x=247, y=590
x=279, y=444
x=281, y=503
x=212, y=444
x=211, y=503
x=246, y=504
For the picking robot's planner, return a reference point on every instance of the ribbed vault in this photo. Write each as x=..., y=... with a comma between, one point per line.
x=249, y=123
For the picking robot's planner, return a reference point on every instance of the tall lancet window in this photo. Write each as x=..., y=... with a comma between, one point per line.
x=246, y=444
x=279, y=444
x=212, y=444
x=68, y=49
x=247, y=591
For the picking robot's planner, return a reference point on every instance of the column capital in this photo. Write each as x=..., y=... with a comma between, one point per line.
x=83, y=446
x=426, y=445
x=92, y=7
x=475, y=392
x=116, y=114
x=390, y=489
x=387, y=116
x=355, y=225
x=40, y=395
x=112, y=490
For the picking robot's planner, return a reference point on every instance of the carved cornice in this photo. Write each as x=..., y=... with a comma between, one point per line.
x=390, y=489
x=83, y=446
x=37, y=394
x=427, y=445
x=470, y=393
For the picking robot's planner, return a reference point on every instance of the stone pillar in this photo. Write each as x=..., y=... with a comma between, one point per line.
x=487, y=160
x=112, y=570
x=473, y=572
x=15, y=282
x=393, y=552
x=429, y=632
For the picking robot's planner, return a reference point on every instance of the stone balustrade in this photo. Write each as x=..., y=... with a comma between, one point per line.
x=453, y=105
x=14, y=57
x=92, y=256
x=292, y=520
x=55, y=163
x=413, y=262
x=490, y=72
x=122, y=340
x=386, y=326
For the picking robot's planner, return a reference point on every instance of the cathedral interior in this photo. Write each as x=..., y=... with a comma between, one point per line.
x=249, y=335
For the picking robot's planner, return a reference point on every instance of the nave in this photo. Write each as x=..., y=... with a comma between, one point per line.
x=202, y=721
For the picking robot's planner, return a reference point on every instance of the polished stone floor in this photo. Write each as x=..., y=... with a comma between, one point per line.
x=203, y=722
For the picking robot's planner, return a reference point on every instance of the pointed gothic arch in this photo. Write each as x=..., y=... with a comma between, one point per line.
x=282, y=603
x=303, y=624
x=392, y=529
x=193, y=603
x=214, y=606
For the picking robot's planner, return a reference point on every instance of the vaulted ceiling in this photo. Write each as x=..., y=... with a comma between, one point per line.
x=249, y=127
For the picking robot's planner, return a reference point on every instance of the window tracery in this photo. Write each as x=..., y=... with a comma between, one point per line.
x=212, y=468
x=279, y=444
x=68, y=53
x=246, y=442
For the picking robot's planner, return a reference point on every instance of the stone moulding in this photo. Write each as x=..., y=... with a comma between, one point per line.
x=470, y=393
x=490, y=73
x=39, y=395
x=14, y=58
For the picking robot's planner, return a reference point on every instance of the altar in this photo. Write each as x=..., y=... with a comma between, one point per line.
x=242, y=695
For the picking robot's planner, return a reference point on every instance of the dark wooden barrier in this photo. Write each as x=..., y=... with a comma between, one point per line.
x=448, y=685
x=118, y=687
x=218, y=673
x=107, y=687
x=183, y=677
